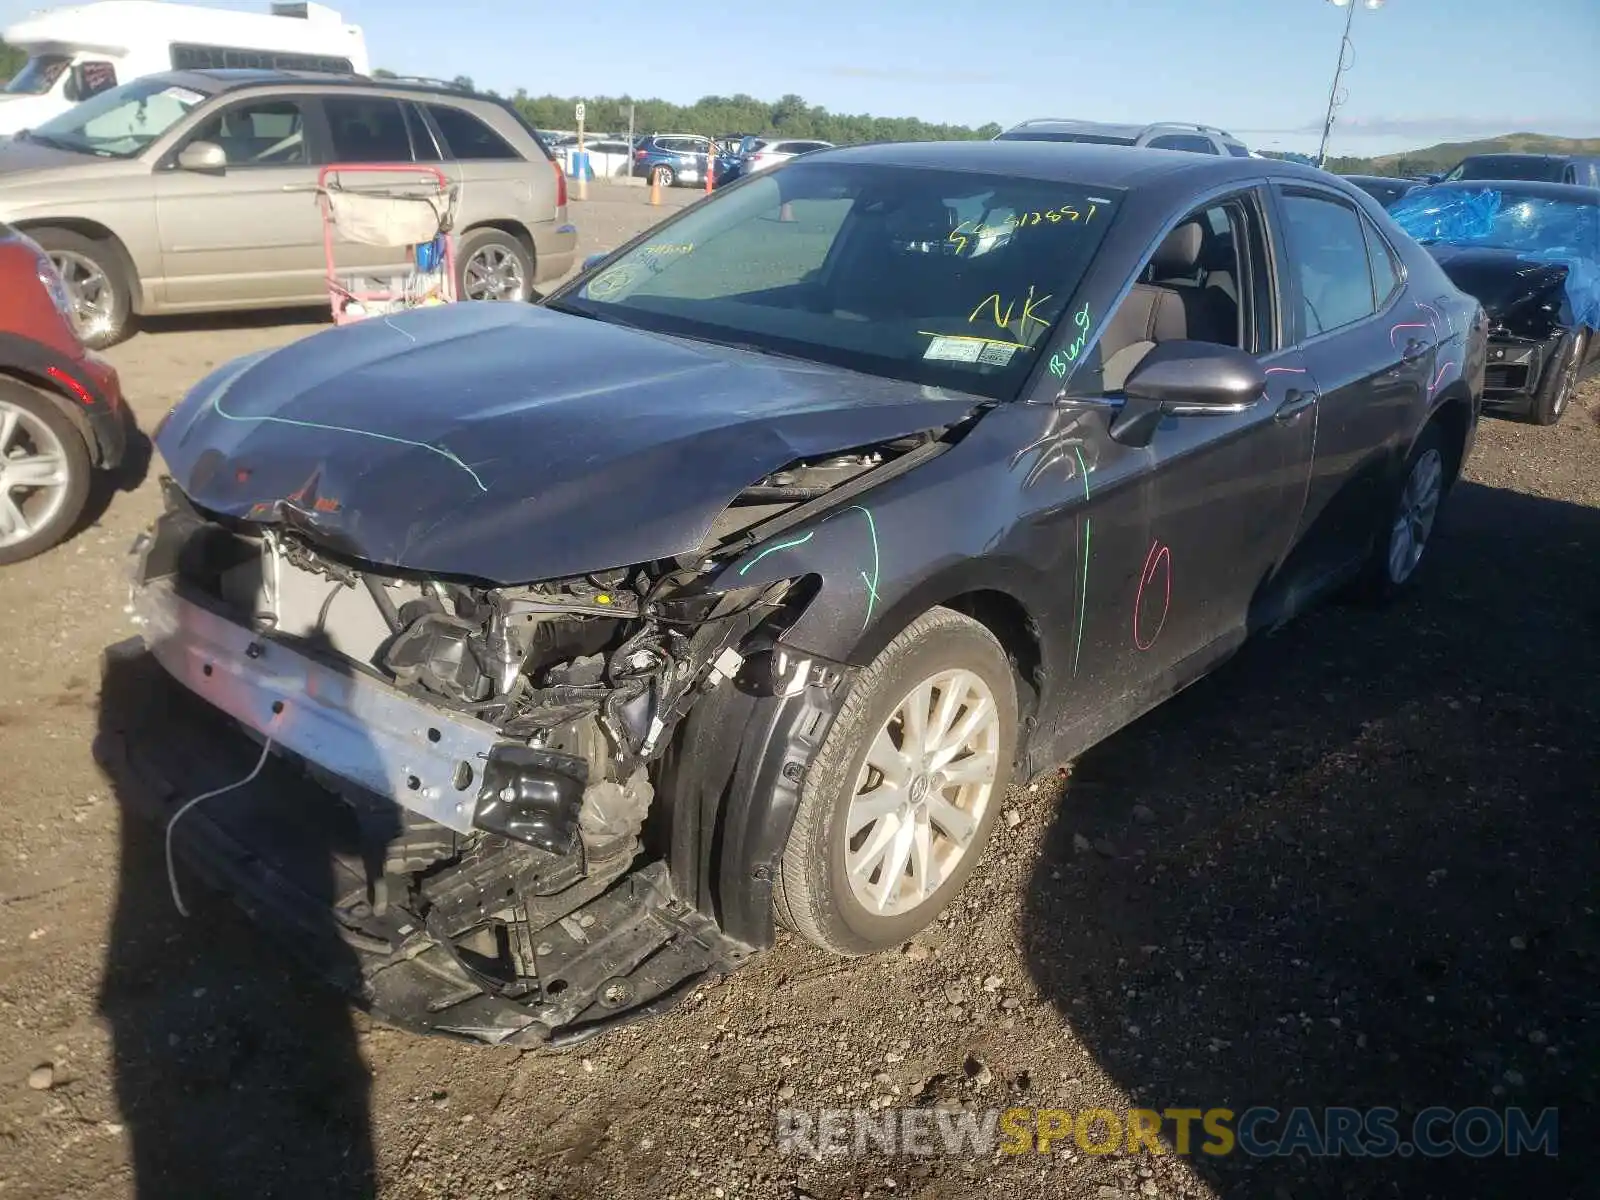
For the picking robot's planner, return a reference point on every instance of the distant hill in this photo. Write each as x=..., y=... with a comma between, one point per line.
x=1447, y=154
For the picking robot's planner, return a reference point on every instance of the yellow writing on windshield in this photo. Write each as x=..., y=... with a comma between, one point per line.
x=992, y=303
x=962, y=233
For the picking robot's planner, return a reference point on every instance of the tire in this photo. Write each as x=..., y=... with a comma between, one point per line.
x=664, y=176
x=94, y=271
x=1560, y=381
x=31, y=426
x=1389, y=572
x=814, y=894
x=492, y=264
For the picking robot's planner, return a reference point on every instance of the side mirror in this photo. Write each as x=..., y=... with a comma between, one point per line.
x=1187, y=379
x=1197, y=379
x=203, y=156
x=594, y=260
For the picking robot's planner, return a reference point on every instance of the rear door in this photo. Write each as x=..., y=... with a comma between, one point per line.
x=369, y=130
x=498, y=183
x=1371, y=357
x=250, y=233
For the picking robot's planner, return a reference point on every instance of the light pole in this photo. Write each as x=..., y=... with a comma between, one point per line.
x=1344, y=50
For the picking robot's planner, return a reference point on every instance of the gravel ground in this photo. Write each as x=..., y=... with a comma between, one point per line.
x=1355, y=867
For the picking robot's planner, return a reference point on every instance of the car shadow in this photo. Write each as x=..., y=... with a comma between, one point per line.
x=1357, y=867
x=266, y=318
x=237, y=1070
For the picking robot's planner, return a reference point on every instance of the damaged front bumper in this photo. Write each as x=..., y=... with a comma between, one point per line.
x=376, y=843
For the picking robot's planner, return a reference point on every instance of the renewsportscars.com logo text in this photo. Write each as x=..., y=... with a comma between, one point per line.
x=1260, y=1132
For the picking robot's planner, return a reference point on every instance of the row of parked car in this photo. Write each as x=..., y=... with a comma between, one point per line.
x=671, y=159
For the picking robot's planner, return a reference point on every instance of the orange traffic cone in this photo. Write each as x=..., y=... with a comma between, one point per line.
x=655, y=188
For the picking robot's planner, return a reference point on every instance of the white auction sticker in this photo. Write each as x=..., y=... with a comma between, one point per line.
x=954, y=349
x=997, y=354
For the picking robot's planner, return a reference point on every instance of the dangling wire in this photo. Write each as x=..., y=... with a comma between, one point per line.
x=172, y=874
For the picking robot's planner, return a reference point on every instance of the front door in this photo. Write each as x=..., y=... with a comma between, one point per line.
x=251, y=232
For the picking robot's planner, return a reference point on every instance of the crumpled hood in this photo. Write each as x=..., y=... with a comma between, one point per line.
x=512, y=443
x=1503, y=281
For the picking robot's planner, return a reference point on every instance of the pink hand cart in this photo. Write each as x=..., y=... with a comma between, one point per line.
x=415, y=216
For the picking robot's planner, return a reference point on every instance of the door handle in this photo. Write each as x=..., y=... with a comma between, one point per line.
x=1295, y=400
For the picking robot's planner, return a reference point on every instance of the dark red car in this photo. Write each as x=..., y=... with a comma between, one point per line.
x=62, y=416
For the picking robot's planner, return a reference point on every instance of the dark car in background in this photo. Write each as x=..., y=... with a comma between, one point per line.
x=62, y=417
x=740, y=576
x=1582, y=170
x=1530, y=253
x=672, y=158
x=1385, y=189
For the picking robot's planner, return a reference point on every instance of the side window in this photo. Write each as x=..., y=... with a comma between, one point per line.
x=1206, y=282
x=1386, y=276
x=367, y=129
x=1238, y=150
x=1328, y=256
x=1182, y=141
x=90, y=79
x=466, y=138
x=259, y=133
x=423, y=145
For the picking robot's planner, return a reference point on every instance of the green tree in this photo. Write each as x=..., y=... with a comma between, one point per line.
x=11, y=60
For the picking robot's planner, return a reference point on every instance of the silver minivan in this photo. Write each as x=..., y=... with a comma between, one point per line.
x=195, y=191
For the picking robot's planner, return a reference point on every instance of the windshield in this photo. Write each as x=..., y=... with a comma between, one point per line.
x=1499, y=217
x=1509, y=166
x=121, y=122
x=947, y=278
x=38, y=75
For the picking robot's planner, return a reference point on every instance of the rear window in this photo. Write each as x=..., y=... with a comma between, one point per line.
x=468, y=139
x=1509, y=166
x=948, y=278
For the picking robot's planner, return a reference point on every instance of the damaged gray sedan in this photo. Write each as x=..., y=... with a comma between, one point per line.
x=577, y=645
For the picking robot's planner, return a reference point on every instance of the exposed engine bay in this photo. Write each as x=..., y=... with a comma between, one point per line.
x=499, y=746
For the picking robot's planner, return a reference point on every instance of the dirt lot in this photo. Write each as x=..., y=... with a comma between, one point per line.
x=1356, y=867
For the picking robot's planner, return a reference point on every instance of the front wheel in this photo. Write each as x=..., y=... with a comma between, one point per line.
x=97, y=285
x=899, y=803
x=1560, y=381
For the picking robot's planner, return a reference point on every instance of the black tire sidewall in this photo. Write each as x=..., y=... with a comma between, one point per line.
x=475, y=240
x=944, y=647
x=105, y=256
x=80, y=471
x=1556, y=391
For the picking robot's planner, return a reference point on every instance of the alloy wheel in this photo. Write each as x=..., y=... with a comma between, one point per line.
x=93, y=300
x=1413, y=523
x=33, y=475
x=921, y=794
x=494, y=273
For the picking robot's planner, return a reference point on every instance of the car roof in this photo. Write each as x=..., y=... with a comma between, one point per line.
x=1074, y=162
x=1379, y=178
x=1524, y=187
x=226, y=79
x=1506, y=155
x=1113, y=129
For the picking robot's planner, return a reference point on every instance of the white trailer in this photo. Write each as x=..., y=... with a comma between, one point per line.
x=74, y=53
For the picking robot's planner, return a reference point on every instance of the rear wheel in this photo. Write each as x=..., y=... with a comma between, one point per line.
x=1560, y=380
x=97, y=284
x=899, y=804
x=663, y=176
x=1398, y=550
x=493, y=265
x=44, y=473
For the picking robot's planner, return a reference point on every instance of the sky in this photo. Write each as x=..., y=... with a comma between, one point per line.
x=1258, y=68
